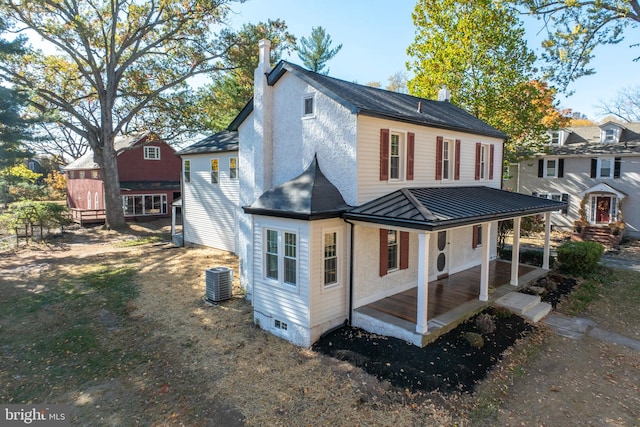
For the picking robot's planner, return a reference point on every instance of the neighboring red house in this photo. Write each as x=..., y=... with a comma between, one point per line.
x=149, y=172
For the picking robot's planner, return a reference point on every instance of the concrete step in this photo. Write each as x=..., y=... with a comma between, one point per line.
x=518, y=302
x=538, y=312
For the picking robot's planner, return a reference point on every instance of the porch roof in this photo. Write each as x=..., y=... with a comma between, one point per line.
x=438, y=208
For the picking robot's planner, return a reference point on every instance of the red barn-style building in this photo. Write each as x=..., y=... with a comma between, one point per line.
x=149, y=172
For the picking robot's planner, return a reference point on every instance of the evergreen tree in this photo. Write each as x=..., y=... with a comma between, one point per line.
x=315, y=51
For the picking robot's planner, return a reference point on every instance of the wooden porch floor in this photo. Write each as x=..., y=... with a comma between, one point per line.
x=448, y=293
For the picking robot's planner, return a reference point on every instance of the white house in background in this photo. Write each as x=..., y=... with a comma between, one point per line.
x=210, y=186
x=596, y=168
x=353, y=194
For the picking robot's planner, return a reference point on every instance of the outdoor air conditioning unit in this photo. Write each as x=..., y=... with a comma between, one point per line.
x=218, y=284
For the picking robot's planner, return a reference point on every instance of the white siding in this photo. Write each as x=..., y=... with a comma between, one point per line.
x=209, y=210
x=369, y=184
x=280, y=301
x=329, y=303
x=577, y=172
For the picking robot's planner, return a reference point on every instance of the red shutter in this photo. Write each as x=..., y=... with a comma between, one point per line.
x=456, y=174
x=384, y=252
x=478, y=148
x=411, y=140
x=404, y=250
x=474, y=239
x=439, y=143
x=491, y=152
x=384, y=154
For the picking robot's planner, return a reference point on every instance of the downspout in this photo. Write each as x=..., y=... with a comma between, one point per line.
x=350, y=268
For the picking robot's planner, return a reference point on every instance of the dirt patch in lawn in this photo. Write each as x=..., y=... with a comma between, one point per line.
x=153, y=353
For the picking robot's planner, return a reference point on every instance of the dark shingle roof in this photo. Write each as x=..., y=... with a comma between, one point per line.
x=370, y=101
x=218, y=142
x=444, y=207
x=585, y=141
x=308, y=196
x=121, y=143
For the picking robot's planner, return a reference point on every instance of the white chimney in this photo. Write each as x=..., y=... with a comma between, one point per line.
x=264, y=63
x=444, y=94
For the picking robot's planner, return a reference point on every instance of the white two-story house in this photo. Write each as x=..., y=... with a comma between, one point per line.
x=595, y=169
x=352, y=196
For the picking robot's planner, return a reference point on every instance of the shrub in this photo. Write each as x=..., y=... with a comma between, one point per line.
x=485, y=323
x=475, y=340
x=579, y=258
x=527, y=256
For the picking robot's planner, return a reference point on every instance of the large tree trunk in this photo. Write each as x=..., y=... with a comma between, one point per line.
x=106, y=157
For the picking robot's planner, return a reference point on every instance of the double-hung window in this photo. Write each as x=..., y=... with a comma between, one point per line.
x=215, y=177
x=396, y=155
x=605, y=168
x=281, y=256
x=393, y=252
x=233, y=168
x=187, y=170
x=330, y=246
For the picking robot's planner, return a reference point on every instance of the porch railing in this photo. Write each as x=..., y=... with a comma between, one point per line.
x=88, y=216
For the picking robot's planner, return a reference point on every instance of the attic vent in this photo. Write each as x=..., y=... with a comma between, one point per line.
x=218, y=284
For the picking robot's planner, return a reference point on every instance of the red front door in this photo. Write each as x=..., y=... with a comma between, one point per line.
x=603, y=209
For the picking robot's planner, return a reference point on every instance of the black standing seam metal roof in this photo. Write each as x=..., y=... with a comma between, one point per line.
x=308, y=196
x=381, y=103
x=438, y=208
x=226, y=140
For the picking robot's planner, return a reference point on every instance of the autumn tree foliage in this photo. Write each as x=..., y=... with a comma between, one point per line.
x=107, y=62
x=477, y=49
x=575, y=28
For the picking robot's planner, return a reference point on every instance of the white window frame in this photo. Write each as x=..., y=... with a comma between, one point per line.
x=281, y=256
x=186, y=171
x=391, y=245
x=233, y=171
x=448, y=158
x=336, y=257
x=484, y=161
x=554, y=137
x=151, y=152
x=214, y=166
x=96, y=200
x=613, y=207
x=309, y=98
x=280, y=327
x=608, y=136
x=401, y=155
x=546, y=169
x=552, y=196
x=144, y=198
x=612, y=166
x=89, y=200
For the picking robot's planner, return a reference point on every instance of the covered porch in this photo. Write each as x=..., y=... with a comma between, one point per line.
x=450, y=301
x=437, y=302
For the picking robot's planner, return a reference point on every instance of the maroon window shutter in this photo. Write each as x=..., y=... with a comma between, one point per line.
x=456, y=174
x=411, y=142
x=384, y=154
x=384, y=252
x=404, y=250
x=439, y=144
x=478, y=148
x=474, y=240
x=491, y=152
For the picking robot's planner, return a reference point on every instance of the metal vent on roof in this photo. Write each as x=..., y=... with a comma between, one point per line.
x=218, y=284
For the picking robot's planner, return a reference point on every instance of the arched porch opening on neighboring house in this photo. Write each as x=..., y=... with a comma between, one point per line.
x=602, y=216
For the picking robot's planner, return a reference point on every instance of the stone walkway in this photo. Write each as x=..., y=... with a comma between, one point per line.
x=577, y=327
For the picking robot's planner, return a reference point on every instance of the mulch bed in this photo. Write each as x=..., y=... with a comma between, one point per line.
x=554, y=288
x=448, y=364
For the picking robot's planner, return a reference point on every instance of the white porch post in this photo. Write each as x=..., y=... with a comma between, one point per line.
x=484, y=268
x=547, y=239
x=423, y=282
x=515, y=251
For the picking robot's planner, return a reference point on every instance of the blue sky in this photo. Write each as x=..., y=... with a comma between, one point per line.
x=376, y=33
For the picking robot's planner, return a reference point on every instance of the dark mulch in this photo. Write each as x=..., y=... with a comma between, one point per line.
x=448, y=364
x=552, y=289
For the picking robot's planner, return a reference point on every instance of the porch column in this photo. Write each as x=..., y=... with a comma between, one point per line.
x=173, y=220
x=484, y=267
x=547, y=239
x=423, y=282
x=515, y=251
